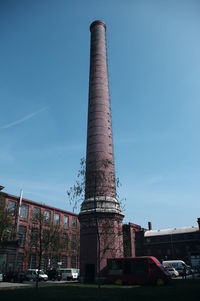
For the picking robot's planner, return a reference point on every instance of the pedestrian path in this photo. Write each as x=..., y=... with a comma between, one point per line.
x=13, y=285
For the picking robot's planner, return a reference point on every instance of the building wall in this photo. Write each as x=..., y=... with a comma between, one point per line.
x=34, y=219
x=133, y=239
x=177, y=243
x=182, y=246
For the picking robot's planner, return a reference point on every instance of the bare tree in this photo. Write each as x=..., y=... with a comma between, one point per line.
x=45, y=241
x=5, y=221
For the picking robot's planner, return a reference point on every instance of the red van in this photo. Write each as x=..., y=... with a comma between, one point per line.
x=137, y=270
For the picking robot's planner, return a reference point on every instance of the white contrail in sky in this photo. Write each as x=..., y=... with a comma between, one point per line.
x=27, y=117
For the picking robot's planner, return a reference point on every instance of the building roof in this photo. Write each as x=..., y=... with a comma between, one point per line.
x=170, y=231
x=16, y=198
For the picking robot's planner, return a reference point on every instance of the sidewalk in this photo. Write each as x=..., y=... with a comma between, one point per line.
x=13, y=285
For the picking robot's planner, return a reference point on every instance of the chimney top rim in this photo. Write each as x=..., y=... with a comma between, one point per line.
x=97, y=22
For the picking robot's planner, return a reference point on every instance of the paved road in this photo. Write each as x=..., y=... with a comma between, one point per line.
x=195, y=276
x=12, y=285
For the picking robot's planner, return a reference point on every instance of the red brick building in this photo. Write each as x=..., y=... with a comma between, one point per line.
x=133, y=237
x=57, y=229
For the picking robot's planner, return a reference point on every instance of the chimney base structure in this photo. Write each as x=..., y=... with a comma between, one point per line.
x=100, y=216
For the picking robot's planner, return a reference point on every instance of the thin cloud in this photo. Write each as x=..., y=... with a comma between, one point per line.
x=21, y=120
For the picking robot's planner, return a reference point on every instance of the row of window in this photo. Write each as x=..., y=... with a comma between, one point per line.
x=48, y=238
x=24, y=210
x=46, y=263
x=169, y=238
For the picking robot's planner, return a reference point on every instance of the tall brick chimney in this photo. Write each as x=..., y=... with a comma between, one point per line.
x=100, y=202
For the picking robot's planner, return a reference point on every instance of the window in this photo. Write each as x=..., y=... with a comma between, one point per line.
x=22, y=235
x=73, y=262
x=159, y=251
x=56, y=219
x=73, y=242
x=32, y=261
x=46, y=238
x=74, y=222
x=11, y=207
x=149, y=252
x=65, y=240
x=44, y=262
x=34, y=237
x=24, y=211
x=55, y=242
x=20, y=258
x=137, y=267
x=66, y=221
x=64, y=261
x=54, y=262
x=36, y=213
x=168, y=252
x=47, y=216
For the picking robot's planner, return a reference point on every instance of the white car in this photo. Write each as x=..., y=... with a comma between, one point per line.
x=173, y=272
x=31, y=275
x=69, y=274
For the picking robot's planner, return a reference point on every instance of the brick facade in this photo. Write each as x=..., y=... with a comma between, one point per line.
x=100, y=215
x=60, y=246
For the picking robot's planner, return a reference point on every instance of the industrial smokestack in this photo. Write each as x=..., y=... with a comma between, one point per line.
x=100, y=207
x=100, y=189
x=149, y=226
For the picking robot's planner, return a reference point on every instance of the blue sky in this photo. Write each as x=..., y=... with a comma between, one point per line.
x=154, y=72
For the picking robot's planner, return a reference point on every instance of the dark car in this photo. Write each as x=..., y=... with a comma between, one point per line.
x=19, y=277
x=54, y=275
x=14, y=277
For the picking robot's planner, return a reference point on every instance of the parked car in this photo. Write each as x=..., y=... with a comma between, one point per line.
x=19, y=277
x=9, y=276
x=1, y=276
x=173, y=272
x=31, y=275
x=54, y=275
x=68, y=274
x=136, y=270
x=179, y=265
